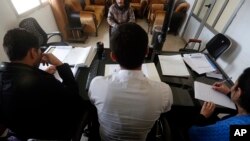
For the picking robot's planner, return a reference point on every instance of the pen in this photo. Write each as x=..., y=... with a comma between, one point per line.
x=225, y=80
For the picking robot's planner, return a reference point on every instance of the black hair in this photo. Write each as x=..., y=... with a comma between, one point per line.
x=243, y=84
x=125, y=7
x=129, y=43
x=17, y=43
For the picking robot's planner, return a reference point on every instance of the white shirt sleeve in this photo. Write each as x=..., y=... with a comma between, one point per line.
x=167, y=99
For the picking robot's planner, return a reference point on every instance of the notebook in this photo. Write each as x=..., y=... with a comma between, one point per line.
x=74, y=56
x=173, y=65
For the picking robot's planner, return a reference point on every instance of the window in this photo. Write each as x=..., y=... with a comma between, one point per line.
x=27, y=5
x=221, y=15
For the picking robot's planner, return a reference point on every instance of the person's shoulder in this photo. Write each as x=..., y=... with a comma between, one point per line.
x=112, y=6
x=159, y=85
x=25, y=77
x=99, y=79
x=241, y=119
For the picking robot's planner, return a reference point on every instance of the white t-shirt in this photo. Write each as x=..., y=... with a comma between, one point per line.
x=128, y=104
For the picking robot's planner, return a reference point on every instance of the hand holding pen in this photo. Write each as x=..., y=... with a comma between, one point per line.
x=221, y=87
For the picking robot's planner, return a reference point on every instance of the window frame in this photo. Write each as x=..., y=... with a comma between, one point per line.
x=27, y=12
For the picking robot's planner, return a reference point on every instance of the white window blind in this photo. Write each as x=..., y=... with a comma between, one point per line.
x=24, y=6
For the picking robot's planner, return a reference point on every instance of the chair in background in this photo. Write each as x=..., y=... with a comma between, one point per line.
x=31, y=25
x=153, y=9
x=157, y=14
x=75, y=26
x=215, y=47
x=90, y=15
x=139, y=7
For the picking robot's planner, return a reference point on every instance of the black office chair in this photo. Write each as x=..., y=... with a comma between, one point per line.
x=75, y=26
x=31, y=25
x=161, y=130
x=215, y=47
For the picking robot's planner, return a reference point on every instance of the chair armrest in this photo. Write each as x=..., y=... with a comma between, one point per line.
x=155, y=7
x=159, y=13
x=183, y=7
x=194, y=41
x=90, y=8
x=88, y=18
x=56, y=33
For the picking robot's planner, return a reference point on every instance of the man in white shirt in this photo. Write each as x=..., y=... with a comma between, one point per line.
x=128, y=103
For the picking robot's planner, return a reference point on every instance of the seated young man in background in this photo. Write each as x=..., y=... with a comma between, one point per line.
x=120, y=12
x=127, y=102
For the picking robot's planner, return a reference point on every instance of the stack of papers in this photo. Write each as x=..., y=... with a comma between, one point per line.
x=77, y=56
x=198, y=62
x=148, y=69
x=214, y=74
x=206, y=93
x=173, y=65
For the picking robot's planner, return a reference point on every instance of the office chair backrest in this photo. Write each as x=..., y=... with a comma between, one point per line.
x=31, y=25
x=217, y=45
x=160, y=131
x=73, y=18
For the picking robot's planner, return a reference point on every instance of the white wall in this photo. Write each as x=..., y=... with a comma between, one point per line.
x=9, y=20
x=237, y=59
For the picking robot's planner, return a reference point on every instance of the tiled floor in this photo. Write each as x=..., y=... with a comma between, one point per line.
x=172, y=43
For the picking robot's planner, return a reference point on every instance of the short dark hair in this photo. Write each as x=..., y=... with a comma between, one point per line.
x=243, y=83
x=126, y=5
x=129, y=43
x=17, y=42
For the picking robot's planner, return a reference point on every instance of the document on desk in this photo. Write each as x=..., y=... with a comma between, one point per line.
x=173, y=65
x=148, y=69
x=206, y=93
x=198, y=62
x=56, y=74
x=74, y=56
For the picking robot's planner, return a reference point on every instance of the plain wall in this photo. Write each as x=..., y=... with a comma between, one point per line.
x=10, y=20
x=237, y=58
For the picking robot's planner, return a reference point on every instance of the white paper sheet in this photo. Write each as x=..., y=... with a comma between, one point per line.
x=77, y=56
x=173, y=65
x=60, y=51
x=148, y=69
x=206, y=93
x=198, y=62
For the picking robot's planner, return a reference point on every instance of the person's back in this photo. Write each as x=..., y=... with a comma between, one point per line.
x=128, y=103
x=33, y=103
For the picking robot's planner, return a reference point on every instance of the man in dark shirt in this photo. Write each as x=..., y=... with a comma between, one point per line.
x=33, y=103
